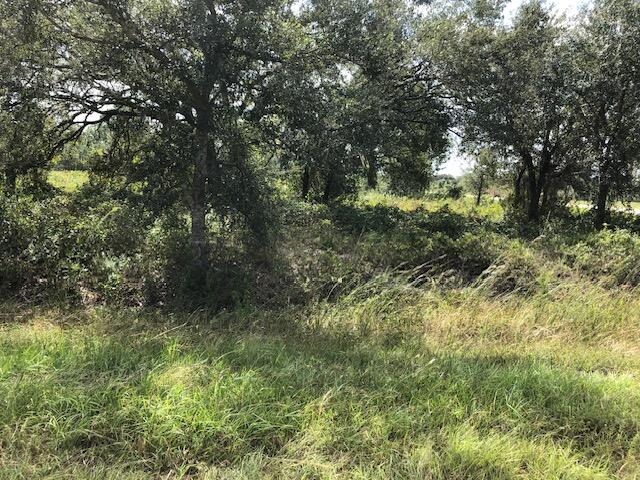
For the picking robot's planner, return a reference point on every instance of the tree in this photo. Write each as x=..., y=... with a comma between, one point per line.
x=368, y=101
x=607, y=97
x=399, y=125
x=309, y=125
x=510, y=85
x=27, y=139
x=483, y=173
x=191, y=69
x=85, y=152
x=24, y=146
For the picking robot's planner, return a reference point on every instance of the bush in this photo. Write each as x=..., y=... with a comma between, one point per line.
x=517, y=269
x=346, y=247
x=612, y=257
x=445, y=188
x=168, y=278
x=409, y=174
x=57, y=247
x=115, y=251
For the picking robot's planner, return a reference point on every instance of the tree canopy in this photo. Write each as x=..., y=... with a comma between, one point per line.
x=195, y=104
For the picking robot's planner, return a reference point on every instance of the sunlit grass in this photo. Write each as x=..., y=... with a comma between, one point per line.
x=621, y=206
x=403, y=383
x=465, y=205
x=68, y=180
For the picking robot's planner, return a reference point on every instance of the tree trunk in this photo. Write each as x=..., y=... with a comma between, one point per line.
x=533, y=208
x=306, y=181
x=517, y=188
x=198, y=200
x=480, y=188
x=329, y=187
x=11, y=179
x=601, y=205
x=533, y=190
x=543, y=184
x=546, y=195
x=372, y=171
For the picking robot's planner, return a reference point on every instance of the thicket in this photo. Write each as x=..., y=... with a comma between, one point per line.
x=83, y=247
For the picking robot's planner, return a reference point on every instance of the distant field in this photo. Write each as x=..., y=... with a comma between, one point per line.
x=618, y=205
x=68, y=180
x=465, y=205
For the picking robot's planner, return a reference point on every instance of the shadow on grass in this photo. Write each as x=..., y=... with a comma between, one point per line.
x=194, y=394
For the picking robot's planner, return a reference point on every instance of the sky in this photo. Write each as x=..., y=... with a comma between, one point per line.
x=568, y=7
x=456, y=164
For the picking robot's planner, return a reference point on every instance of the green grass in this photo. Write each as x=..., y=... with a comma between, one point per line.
x=466, y=205
x=418, y=339
x=68, y=180
x=617, y=205
x=402, y=383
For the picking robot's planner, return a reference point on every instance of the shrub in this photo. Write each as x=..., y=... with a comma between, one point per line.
x=367, y=218
x=445, y=188
x=57, y=247
x=516, y=270
x=115, y=251
x=612, y=256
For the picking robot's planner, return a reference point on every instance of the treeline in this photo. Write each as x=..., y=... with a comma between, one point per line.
x=559, y=100
x=208, y=109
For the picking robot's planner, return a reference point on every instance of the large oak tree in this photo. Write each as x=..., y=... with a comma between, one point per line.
x=193, y=67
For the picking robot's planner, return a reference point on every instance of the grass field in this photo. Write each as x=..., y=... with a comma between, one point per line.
x=399, y=384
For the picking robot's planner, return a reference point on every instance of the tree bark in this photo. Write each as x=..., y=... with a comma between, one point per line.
x=11, y=180
x=329, y=187
x=601, y=205
x=198, y=199
x=517, y=190
x=372, y=170
x=546, y=194
x=533, y=191
x=533, y=208
x=480, y=188
x=543, y=184
x=306, y=181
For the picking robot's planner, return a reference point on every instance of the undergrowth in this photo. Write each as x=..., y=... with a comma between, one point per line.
x=386, y=338
x=391, y=381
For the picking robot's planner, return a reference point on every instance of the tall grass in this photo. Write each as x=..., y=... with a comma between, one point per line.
x=393, y=382
x=407, y=339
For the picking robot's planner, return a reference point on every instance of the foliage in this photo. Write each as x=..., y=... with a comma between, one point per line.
x=607, y=100
x=85, y=152
x=512, y=85
x=609, y=256
x=445, y=188
x=49, y=249
x=77, y=250
x=483, y=174
x=516, y=270
x=382, y=298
